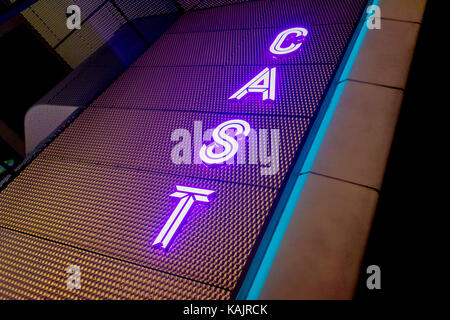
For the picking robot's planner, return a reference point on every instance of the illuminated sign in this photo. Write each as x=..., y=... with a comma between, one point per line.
x=264, y=82
x=225, y=146
x=222, y=139
x=294, y=35
x=187, y=197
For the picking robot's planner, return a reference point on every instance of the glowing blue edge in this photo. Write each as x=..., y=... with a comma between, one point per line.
x=259, y=269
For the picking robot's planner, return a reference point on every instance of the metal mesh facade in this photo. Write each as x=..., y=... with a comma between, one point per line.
x=142, y=140
x=48, y=17
x=98, y=194
x=137, y=8
x=216, y=3
x=93, y=34
x=33, y=268
x=276, y=13
x=151, y=87
x=244, y=47
x=100, y=19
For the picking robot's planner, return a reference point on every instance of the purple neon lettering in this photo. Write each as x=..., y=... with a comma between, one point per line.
x=188, y=196
x=297, y=35
x=221, y=138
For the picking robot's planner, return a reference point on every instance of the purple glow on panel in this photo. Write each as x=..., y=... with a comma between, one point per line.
x=264, y=82
x=187, y=197
x=221, y=138
x=296, y=41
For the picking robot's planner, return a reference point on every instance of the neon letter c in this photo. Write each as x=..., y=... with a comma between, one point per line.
x=276, y=47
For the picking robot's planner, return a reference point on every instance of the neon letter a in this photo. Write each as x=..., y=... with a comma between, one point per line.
x=264, y=82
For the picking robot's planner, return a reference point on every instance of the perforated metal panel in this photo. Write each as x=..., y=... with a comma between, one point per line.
x=216, y=3
x=122, y=49
x=279, y=13
x=324, y=44
x=188, y=4
x=93, y=34
x=84, y=86
x=141, y=139
x=119, y=212
x=100, y=191
x=100, y=19
x=137, y=8
x=207, y=89
x=33, y=268
x=48, y=17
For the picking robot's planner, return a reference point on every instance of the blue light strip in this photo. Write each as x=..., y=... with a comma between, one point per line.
x=338, y=89
x=257, y=274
